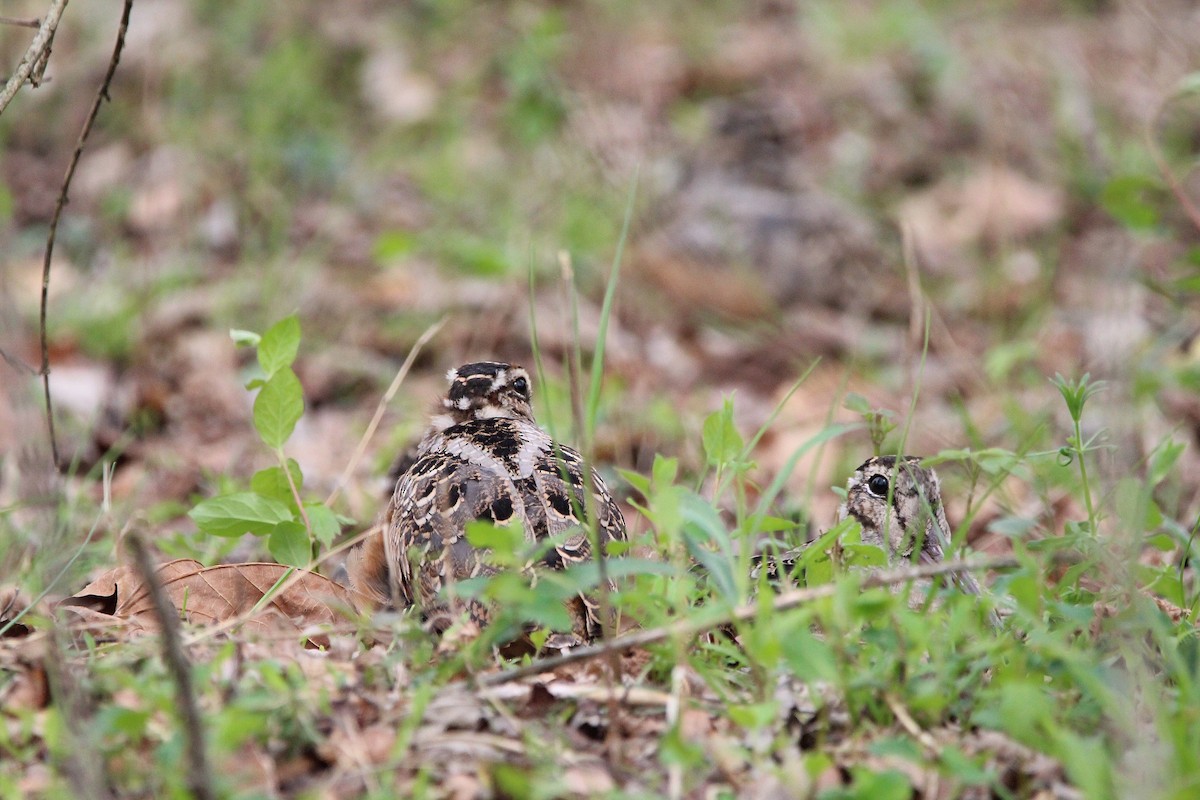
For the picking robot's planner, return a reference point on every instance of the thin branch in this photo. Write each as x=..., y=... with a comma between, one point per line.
x=199, y=776
x=101, y=95
x=22, y=23
x=693, y=626
x=16, y=363
x=1160, y=161
x=1164, y=169
x=37, y=53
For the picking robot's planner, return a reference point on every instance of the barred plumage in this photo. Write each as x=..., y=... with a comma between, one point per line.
x=484, y=457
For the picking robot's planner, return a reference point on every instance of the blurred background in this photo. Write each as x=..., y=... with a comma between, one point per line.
x=811, y=182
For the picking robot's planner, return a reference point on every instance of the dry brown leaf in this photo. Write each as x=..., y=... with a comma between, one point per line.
x=26, y=690
x=12, y=603
x=207, y=595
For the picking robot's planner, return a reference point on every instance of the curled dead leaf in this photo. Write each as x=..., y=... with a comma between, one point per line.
x=210, y=595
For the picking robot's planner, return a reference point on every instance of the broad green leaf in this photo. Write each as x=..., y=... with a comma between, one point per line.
x=1088, y=763
x=968, y=769
x=1130, y=200
x=235, y=514
x=809, y=657
x=120, y=719
x=901, y=746
x=325, y=525
x=505, y=541
x=1012, y=527
x=272, y=482
x=279, y=345
x=818, y=572
x=289, y=544
x=776, y=524
x=583, y=577
x=889, y=784
x=541, y=603
x=864, y=555
x=278, y=407
x=538, y=637
x=722, y=442
x=754, y=715
x=664, y=471
x=638, y=481
x=857, y=403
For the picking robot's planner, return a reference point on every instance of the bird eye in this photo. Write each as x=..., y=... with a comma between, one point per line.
x=521, y=386
x=878, y=485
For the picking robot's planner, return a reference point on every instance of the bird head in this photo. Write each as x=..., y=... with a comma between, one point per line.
x=486, y=390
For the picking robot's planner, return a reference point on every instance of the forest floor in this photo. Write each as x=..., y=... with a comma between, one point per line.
x=831, y=229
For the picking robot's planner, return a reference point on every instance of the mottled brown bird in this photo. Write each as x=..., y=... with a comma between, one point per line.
x=899, y=505
x=484, y=458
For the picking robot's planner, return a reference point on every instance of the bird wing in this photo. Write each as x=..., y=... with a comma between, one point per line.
x=557, y=503
x=427, y=518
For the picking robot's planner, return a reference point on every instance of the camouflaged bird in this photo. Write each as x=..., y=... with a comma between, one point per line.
x=899, y=505
x=900, y=509
x=483, y=458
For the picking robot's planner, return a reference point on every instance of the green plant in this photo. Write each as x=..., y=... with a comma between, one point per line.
x=1076, y=394
x=273, y=506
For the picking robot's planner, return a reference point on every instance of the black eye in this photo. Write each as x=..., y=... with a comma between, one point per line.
x=878, y=485
x=522, y=387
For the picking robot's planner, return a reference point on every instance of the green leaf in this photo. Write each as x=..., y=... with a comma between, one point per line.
x=970, y=770
x=664, y=470
x=474, y=255
x=1129, y=199
x=325, y=525
x=393, y=245
x=1188, y=84
x=810, y=657
x=864, y=555
x=857, y=403
x=505, y=541
x=638, y=481
x=1024, y=711
x=889, y=784
x=583, y=577
x=722, y=442
x=289, y=544
x=115, y=719
x=272, y=482
x=754, y=715
x=1087, y=762
x=279, y=345
x=235, y=514
x=278, y=407
x=1162, y=460
x=244, y=338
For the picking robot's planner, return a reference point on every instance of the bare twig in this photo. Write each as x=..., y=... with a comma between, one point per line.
x=1164, y=169
x=22, y=23
x=932, y=748
x=16, y=363
x=699, y=624
x=199, y=776
x=101, y=95
x=36, y=55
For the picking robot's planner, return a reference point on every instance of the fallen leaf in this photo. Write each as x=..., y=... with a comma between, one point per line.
x=208, y=595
